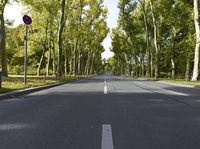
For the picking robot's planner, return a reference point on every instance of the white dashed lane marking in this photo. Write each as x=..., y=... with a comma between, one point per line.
x=107, y=138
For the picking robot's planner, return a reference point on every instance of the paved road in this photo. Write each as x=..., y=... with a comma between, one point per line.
x=104, y=112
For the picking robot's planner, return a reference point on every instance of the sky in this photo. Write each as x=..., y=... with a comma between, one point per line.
x=14, y=12
x=113, y=13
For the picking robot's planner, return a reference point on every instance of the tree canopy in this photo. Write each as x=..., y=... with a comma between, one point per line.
x=65, y=37
x=153, y=38
x=157, y=38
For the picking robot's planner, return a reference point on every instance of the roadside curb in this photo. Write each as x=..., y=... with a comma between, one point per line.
x=165, y=82
x=18, y=93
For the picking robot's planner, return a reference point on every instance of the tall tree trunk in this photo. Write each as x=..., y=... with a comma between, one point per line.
x=132, y=70
x=79, y=63
x=80, y=46
x=91, y=63
x=48, y=62
x=40, y=63
x=71, y=66
x=45, y=47
x=65, y=61
x=142, y=65
x=136, y=67
x=75, y=55
x=87, y=64
x=147, y=37
x=155, y=40
x=147, y=52
x=3, y=40
x=197, y=28
x=74, y=62
x=54, y=57
x=126, y=68
x=49, y=56
x=152, y=65
x=173, y=67
x=187, y=73
x=121, y=68
x=62, y=24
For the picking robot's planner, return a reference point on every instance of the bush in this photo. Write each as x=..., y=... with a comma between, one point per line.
x=17, y=69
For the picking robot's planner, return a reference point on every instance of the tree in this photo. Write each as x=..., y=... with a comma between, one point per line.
x=154, y=35
x=72, y=27
x=3, y=39
x=197, y=28
x=60, y=45
x=155, y=28
x=144, y=8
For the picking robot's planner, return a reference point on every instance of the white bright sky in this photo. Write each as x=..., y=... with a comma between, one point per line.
x=14, y=12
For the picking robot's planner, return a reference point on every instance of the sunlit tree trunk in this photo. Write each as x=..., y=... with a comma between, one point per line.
x=71, y=66
x=80, y=46
x=40, y=63
x=79, y=63
x=91, y=66
x=155, y=40
x=173, y=67
x=49, y=56
x=143, y=3
x=87, y=64
x=197, y=28
x=152, y=65
x=45, y=47
x=54, y=57
x=74, y=62
x=142, y=65
x=65, y=62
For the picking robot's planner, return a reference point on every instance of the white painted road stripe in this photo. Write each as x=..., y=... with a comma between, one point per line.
x=107, y=139
x=176, y=93
x=105, y=90
x=167, y=91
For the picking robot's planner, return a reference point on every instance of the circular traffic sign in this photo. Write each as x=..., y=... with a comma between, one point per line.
x=27, y=20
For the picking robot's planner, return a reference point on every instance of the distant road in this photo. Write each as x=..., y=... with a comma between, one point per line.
x=105, y=112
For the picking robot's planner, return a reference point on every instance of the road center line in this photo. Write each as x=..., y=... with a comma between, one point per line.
x=107, y=139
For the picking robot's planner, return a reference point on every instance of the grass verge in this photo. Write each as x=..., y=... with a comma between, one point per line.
x=176, y=81
x=13, y=83
x=182, y=81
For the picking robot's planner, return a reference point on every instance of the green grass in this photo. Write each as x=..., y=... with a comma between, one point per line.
x=17, y=82
x=182, y=81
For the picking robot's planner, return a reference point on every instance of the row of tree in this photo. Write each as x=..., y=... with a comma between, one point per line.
x=156, y=38
x=65, y=37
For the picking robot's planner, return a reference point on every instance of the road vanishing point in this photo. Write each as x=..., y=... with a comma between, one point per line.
x=104, y=112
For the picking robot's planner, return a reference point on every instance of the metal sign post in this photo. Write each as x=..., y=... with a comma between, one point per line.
x=0, y=68
x=25, y=54
x=27, y=20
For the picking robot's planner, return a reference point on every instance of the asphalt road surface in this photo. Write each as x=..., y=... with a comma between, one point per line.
x=105, y=112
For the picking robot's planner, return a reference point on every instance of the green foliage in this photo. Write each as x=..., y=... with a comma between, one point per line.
x=175, y=37
x=17, y=82
x=83, y=33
